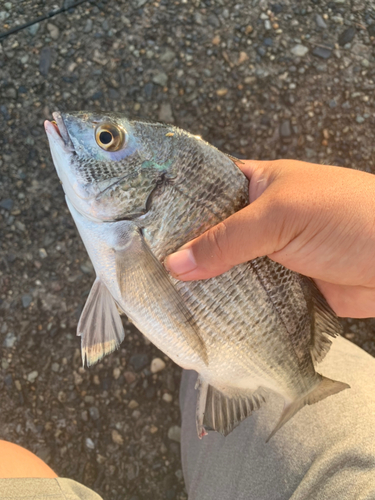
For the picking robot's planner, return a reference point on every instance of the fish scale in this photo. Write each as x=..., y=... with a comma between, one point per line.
x=257, y=328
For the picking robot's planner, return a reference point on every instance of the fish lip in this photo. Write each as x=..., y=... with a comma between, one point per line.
x=63, y=131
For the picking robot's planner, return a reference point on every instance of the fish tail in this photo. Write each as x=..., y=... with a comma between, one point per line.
x=325, y=388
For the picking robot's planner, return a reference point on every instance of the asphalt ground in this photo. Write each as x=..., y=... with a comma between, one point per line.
x=258, y=79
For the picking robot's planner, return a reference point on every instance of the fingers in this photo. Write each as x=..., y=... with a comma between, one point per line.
x=242, y=237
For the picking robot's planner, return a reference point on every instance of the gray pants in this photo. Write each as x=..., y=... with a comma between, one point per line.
x=326, y=451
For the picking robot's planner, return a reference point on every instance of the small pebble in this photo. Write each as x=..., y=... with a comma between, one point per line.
x=116, y=437
x=242, y=58
x=133, y=404
x=168, y=55
x=87, y=267
x=347, y=36
x=167, y=398
x=179, y=474
x=7, y=204
x=32, y=376
x=320, y=21
x=153, y=429
x=285, y=129
x=322, y=52
x=174, y=433
x=88, y=26
x=26, y=300
x=136, y=414
x=139, y=361
x=165, y=113
x=130, y=377
x=221, y=92
x=90, y=444
x=42, y=253
x=116, y=373
x=61, y=396
x=157, y=365
x=160, y=78
x=53, y=31
x=299, y=50
x=45, y=61
x=10, y=340
x=33, y=29
x=94, y=413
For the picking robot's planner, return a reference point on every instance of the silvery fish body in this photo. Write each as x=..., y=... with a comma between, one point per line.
x=137, y=192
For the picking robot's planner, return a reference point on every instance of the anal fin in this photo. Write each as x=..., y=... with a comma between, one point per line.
x=216, y=411
x=325, y=388
x=100, y=326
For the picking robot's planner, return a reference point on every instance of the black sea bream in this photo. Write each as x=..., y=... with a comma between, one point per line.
x=137, y=192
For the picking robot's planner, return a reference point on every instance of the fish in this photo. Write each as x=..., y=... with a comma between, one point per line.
x=137, y=192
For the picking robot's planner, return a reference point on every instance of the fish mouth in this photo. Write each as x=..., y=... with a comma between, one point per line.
x=60, y=127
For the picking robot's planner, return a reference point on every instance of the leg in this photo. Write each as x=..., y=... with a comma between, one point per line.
x=326, y=451
x=24, y=475
x=16, y=461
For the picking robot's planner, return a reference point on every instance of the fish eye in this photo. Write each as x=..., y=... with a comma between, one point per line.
x=110, y=137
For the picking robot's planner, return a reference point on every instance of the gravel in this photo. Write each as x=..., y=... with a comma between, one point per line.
x=224, y=70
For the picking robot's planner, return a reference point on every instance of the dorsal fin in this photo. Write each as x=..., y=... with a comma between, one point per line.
x=325, y=323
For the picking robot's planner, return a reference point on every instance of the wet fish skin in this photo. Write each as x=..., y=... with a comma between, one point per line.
x=256, y=328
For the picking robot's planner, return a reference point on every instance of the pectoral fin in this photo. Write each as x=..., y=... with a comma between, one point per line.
x=100, y=326
x=141, y=275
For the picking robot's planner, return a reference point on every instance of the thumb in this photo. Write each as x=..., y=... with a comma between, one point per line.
x=245, y=235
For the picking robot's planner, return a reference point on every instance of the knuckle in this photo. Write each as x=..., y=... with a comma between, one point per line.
x=218, y=241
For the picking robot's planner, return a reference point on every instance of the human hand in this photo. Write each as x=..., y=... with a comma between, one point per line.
x=316, y=220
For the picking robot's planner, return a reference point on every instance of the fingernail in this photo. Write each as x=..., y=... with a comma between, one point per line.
x=181, y=262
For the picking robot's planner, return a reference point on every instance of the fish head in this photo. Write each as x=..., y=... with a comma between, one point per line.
x=103, y=163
